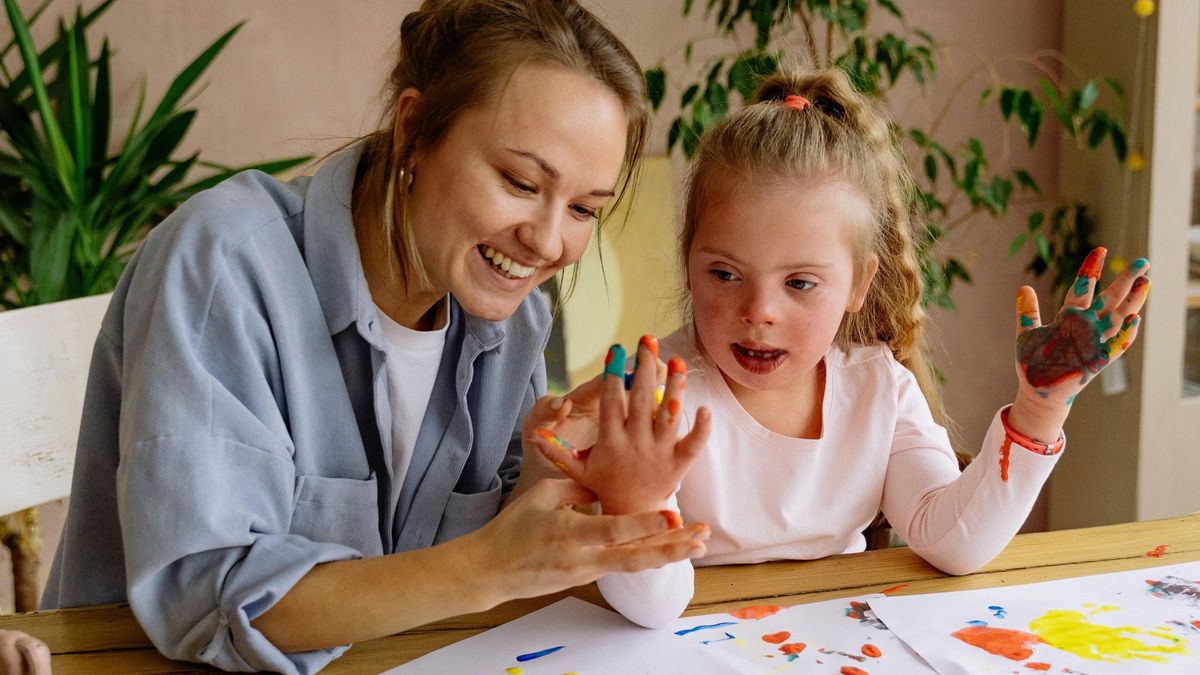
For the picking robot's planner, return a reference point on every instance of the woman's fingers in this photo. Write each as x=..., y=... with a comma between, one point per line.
x=1080, y=294
x=1028, y=315
x=23, y=654
x=655, y=551
x=571, y=461
x=1121, y=288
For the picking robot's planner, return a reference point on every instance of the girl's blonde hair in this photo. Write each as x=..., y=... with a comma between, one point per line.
x=840, y=135
x=460, y=54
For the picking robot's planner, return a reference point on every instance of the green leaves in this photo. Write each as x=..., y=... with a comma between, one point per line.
x=69, y=210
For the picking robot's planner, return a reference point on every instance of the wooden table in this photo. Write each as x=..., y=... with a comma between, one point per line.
x=108, y=639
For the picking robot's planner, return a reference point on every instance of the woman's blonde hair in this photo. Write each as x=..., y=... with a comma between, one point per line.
x=460, y=54
x=839, y=134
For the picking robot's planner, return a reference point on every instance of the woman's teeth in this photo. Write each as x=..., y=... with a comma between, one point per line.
x=506, y=264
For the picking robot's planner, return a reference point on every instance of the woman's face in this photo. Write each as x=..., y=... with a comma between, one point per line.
x=509, y=195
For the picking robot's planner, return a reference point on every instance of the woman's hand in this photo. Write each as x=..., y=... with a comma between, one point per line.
x=638, y=459
x=1054, y=362
x=541, y=543
x=23, y=654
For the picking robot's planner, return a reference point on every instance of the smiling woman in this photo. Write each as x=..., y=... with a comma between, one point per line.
x=307, y=398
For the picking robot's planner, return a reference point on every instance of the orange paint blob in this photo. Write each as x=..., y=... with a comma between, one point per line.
x=673, y=407
x=793, y=647
x=893, y=589
x=1005, y=449
x=676, y=365
x=650, y=342
x=871, y=651
x=1196, y=623
x=1157, y=552
x=1037, y=665
x=755, y=611
x=1094, y=264
x=851, y=670
x=776, y=638
x=674, y=522
x=1011, y=644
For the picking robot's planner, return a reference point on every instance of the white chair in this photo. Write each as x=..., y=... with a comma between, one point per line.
x=44, y=357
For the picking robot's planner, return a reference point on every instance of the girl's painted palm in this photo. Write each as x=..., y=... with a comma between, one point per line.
x=1056, y=361
x=638, y=458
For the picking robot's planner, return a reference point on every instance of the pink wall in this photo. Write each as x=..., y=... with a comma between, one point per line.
x=303, y=76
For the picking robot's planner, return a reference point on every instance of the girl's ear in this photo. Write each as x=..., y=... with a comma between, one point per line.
x=859, y=296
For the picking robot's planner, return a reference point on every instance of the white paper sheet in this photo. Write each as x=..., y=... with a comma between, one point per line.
x=1143, y=621
x=591, y=641
x=822, y=637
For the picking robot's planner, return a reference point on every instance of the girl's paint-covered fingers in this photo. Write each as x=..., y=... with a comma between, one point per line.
x=1028, y=315
x=612, y=395
x=641, y=394
x=656, y=550
x=1121, y=288
x=1132, y=304
x=1120, y=343
x=1080, y=294
x=672, y=401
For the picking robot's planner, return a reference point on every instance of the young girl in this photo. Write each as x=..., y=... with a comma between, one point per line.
x=806, y=344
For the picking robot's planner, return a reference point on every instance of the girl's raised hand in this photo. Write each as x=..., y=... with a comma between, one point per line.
x=638, y=459
x=1055, y=361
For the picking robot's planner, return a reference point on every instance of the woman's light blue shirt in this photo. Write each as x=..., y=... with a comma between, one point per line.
x=236, y=429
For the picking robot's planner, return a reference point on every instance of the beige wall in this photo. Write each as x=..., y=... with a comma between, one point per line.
x=303, y=76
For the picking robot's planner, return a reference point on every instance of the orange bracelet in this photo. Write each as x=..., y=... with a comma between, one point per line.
x=1027, y=442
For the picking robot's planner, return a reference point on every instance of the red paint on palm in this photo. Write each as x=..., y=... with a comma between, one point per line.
x=1062, y=350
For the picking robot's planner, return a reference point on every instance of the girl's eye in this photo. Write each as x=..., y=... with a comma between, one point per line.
x=723, y=275
x=520, y=186
x=801, y=284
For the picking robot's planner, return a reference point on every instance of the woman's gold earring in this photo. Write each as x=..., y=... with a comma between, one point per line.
x=405, y=178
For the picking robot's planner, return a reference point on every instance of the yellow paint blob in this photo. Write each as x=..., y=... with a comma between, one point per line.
x=1143, y=8
x=1096, y=609
x=513, y=671
x=1071, y=632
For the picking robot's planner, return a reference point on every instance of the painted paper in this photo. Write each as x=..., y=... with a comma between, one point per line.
x=570, y=636
x=834, y=636
x=1140, y=621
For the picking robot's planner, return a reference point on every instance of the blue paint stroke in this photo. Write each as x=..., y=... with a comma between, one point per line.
x=793, y=657
x=728, y=636
x=537, y=655
x=997, y=611
x=977, y=622
x=685, y=631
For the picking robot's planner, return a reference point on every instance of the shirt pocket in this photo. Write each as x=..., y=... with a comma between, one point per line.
x=339, y=511
x=466, y=513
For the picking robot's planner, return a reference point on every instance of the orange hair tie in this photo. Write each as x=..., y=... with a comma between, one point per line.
x=796, y=101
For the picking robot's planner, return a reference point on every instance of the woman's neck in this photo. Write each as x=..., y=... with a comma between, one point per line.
x=796, y=411
x=423, y=309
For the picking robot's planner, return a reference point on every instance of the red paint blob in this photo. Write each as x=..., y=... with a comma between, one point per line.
x=1037, y=665
x=1196, y=623
x=755, y=611
x=851, y=670
x=871, y=651
x=1062, y=350
x=893, y=589
x=1011, y=644
x=1005, y=449
x=673, y=407
x=650, y=342
x=1157, y=552
x=792, y=647
x=676, y=365
x=776, y=638
x=674, y=522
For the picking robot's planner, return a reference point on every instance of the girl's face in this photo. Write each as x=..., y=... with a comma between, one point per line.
x=771, y=274
x=509, y=195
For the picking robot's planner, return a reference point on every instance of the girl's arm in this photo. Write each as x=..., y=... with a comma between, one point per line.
x=959, y=523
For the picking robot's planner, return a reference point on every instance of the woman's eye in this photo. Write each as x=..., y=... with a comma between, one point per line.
x=801, y=284
x=723, y=275
x=520, y=186
x=584, y=213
